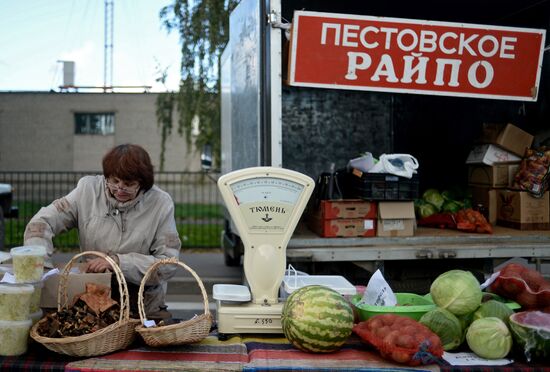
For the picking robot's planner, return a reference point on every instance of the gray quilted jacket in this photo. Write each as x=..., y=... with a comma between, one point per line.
x=140, y=231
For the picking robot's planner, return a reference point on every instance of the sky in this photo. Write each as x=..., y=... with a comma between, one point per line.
x=36, y=34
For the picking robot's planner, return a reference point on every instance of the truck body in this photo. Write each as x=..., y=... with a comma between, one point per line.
x=311, y=130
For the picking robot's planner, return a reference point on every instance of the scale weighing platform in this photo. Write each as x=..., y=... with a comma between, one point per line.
x=265, y=204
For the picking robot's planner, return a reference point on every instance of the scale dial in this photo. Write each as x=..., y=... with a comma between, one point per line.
x=270, y=189
x=266, y=203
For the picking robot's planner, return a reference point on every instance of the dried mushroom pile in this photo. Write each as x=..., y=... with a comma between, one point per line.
x=91, y=311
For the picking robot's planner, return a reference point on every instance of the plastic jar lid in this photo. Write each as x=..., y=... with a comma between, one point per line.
x=28, y=250
x=13, y=288
x=38, y=285
x=15, y=323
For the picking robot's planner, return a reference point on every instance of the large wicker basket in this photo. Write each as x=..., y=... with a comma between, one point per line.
x=116, y=336
x=184, y=332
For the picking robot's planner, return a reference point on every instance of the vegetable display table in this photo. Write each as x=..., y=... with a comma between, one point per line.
x=238, y=353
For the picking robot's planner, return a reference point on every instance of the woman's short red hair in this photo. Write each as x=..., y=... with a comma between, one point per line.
x=129, y=163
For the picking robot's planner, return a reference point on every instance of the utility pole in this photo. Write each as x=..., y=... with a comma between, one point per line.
x=108, y=52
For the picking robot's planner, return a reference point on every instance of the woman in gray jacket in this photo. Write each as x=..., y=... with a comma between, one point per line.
x=121, y=213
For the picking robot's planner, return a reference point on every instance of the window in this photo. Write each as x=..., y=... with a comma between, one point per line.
x=92, y=123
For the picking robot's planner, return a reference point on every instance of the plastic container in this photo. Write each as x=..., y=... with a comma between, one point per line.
x=408, y=304
x=36, y=316
x=338, y=283
x=15, y=301
x=231, y=293
x=290, y=271
x=35, y=298
x=14, y=337
x=28, y=263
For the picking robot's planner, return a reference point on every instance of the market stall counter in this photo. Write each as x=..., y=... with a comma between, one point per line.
x=238, y=353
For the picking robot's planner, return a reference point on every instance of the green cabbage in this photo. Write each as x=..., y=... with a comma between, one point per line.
x=433, y=196
x=452, y=206
x=489, y=338
x=445, y=325
x=424, y=209
x=457, y=291
x=494, y=308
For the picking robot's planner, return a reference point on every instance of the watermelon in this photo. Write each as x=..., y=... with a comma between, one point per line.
x=531, y=332
x=317, y=319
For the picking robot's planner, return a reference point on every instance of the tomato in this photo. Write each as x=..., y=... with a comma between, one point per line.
x=533, y=279
x=382, y=332
x=409, y=329
x=405, y=341
x=435, y=342
x=374, y=323
x=391, y=338
x=527, y=299
x=401, y=356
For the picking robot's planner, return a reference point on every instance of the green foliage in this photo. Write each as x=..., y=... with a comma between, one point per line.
x=203, y=26
x=197, y=225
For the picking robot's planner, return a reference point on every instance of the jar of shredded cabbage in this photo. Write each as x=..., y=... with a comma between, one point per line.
x=35, y=298
x=14, y=336
x=28, y=263
x=36, y=316
x=15, y=300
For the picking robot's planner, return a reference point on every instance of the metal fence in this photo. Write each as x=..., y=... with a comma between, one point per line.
x=198, y=210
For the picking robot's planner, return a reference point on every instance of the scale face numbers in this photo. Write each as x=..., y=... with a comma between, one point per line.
x=263, y=321
x=266, y=203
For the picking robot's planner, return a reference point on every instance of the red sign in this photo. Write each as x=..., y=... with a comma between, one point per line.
x=343, y=51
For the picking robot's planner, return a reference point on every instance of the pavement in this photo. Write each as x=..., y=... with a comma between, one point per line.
x=184, y=297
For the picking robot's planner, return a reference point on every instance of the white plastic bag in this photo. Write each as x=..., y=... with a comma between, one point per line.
x=364, y=163
x=378, y=292
x=403, y=165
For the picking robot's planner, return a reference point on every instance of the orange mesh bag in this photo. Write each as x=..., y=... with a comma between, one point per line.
x=524, y=285
x=472, y=221
x=401, y=339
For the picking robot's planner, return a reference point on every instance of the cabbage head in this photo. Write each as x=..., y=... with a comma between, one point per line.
x=424, y=209
x=489, y=338
x=433, y=196
x=494, y=308
x=457, y=291
x=444, y=324
x=451, y=206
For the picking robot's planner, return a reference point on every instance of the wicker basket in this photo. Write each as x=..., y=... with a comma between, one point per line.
x=185, y=332
x=116, y=336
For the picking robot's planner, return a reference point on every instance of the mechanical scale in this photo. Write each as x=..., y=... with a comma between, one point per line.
x=265, y=204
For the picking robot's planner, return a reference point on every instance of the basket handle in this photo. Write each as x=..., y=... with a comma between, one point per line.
x=153, y=268
x=122, y=286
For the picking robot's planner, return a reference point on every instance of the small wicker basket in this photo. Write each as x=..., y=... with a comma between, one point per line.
x=185, y=332
x=116, y=336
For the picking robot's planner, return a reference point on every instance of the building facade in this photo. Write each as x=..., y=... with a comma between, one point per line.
x=52, y=131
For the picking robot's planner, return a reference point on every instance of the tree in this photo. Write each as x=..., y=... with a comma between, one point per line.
x=203, y=26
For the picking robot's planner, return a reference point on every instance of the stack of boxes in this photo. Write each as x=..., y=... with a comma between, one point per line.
x=377, y=205
x=343, y=218
x=492, y=166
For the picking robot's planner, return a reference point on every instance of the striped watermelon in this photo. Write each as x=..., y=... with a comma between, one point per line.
x=317, y=319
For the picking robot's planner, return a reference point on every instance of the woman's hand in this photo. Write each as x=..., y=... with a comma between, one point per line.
x=98, y=265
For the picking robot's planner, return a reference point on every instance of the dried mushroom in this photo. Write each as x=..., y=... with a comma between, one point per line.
x=92, y=311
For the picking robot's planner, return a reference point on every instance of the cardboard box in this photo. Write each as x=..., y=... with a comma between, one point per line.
x=487, y=197
x=520, y=210
x=506, y=136
x=76, y=284
x=346, y=208
x=496, y=175
x=514, y=140
x=343, y=227
x=490, y=154
x=396, y=219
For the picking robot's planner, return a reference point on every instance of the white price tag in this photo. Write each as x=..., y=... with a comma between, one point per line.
x=471, y=359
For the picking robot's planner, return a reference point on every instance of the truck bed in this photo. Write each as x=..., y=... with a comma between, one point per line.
x=428, y=243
